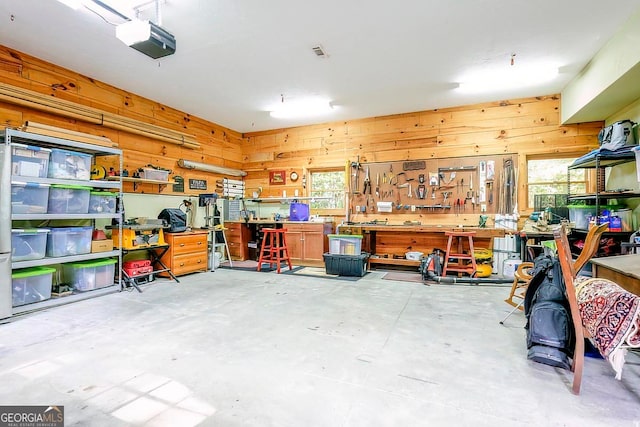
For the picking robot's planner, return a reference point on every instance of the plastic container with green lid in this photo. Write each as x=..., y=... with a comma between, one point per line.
x=102, y=202
x=345, y=244
x=90, y=275
x=69, y=199
x=31, y=285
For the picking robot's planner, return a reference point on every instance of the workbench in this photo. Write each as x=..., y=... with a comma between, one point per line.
x=622, y=269
x=389, y=243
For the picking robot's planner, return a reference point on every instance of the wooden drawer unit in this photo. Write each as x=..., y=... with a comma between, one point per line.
x=238, y=235
x=187, y=252
x=188, y=263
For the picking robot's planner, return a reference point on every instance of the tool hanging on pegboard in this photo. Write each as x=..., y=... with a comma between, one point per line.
x=482, y=190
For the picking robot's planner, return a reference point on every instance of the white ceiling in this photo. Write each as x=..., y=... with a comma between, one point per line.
x=235, y=58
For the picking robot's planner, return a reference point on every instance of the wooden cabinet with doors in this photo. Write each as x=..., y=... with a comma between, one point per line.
x=307, y=242
x=238, y=235
x=187, y=252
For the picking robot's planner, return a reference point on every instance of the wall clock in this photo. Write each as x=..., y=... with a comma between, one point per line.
x=293, y=176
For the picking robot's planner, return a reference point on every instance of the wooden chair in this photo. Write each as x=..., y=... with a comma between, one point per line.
x=570, y=270
x=521, y=280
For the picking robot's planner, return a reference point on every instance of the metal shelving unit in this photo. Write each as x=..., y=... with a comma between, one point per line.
x=11, y=136
x=600, y=162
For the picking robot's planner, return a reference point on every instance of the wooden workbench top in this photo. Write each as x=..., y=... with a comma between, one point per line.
x=480, y=232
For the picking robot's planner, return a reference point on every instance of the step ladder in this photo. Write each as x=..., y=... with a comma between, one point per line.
x=214, y=247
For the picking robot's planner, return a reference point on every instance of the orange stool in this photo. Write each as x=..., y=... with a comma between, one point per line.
x=274, y=248
x=460, y=266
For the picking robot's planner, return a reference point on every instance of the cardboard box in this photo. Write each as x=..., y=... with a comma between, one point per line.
x=101, y=245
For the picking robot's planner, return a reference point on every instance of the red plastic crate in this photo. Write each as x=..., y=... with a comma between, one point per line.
x=136, y=264
x=138, y=271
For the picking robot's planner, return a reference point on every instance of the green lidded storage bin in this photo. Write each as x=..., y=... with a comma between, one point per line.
x=89, y=275
x=345, y=244
x=31, y=285
x=68, y=199
x=102, y=202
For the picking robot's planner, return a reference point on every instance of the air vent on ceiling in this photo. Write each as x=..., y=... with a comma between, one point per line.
x=319, y=51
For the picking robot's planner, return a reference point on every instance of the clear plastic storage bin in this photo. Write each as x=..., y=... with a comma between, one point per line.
x=65, y=241
x=102, y=202
x=28, y=244
x=67, y=164
x=29, y=161
x=89, y=275
x=345, y=244
x=154, y=174
x=29, y=198
x=69, y=199
x=580, y=215
x=31, y=285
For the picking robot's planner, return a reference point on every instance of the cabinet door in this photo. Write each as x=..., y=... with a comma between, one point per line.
x=313, y=244
x=295, y=244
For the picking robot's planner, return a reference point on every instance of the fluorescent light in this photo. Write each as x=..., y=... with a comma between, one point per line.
x=133, y=32
x=512, y=77
x=188, y=164
x=311, y=107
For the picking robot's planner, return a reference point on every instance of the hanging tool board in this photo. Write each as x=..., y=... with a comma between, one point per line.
x=456, y=186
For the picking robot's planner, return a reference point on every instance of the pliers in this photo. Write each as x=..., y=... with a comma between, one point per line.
x=367, y=183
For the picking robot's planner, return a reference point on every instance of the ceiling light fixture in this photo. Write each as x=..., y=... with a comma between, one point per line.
x=188, y=164
x=310, y=107
x=512, y=77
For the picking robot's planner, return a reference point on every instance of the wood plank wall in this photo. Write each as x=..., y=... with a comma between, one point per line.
x=527, y=127
x=219, y=146
x=523, y=127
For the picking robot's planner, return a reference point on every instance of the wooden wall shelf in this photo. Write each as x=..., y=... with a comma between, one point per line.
x=138, y=181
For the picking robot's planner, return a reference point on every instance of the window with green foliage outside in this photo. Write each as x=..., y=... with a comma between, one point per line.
x=549, y=176
x=327, y=183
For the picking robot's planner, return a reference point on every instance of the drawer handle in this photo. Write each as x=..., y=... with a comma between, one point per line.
x=181, y=244
x=199, y=243
x=199, y=261
x=182, y=264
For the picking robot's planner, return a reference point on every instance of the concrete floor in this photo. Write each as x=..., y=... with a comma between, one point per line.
x=239, y=348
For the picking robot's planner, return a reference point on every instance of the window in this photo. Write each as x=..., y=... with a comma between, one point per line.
x=549, y=176
x=327, y=183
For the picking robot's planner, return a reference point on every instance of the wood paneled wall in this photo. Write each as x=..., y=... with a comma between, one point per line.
x=523, y=127
x=219, y=146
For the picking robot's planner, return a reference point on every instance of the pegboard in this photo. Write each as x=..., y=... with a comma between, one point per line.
x=457, y=185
